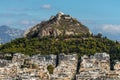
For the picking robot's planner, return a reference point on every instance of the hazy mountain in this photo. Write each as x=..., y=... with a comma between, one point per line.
x=7, y=33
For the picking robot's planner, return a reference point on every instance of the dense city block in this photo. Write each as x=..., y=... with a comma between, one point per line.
x=57, y=67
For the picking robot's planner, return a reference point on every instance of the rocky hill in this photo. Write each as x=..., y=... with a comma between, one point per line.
x=7, y=33
x=72, y=37
x=61, y=24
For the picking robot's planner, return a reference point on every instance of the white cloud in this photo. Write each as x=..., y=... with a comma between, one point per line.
x=25, y=22
x=28, y=22
x=111, y=29
x=21, y=24
x=8, y=15
x=86, y=21
x=46, y=6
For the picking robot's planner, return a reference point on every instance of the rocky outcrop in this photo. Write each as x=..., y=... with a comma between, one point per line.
x=61, y=24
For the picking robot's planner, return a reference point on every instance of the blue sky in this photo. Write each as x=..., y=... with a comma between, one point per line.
x=99, y=15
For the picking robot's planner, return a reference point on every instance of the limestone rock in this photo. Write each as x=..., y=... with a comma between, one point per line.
x=61, y=24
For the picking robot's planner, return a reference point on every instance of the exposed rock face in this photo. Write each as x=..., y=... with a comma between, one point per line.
x=61, y=24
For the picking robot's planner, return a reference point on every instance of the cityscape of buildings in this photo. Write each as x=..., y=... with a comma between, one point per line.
x=57, y=67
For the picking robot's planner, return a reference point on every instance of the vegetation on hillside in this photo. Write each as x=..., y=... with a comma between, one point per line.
x=80, y=44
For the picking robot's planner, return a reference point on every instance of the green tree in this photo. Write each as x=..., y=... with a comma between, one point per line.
x=50, y=68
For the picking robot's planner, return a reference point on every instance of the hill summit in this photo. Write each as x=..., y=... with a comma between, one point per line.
x=61, y=24
x=71, y=37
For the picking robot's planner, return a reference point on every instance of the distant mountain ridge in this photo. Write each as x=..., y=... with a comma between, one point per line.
x=61, y=24
x=7, y=33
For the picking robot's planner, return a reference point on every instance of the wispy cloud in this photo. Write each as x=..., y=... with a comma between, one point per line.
x=46, y=6
x=28, y=22
x=111, y=29
x=21, y=24
x=12, y=15
x=25, y=24
x=88, y=21
x=103, y=28
x=22, y=9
